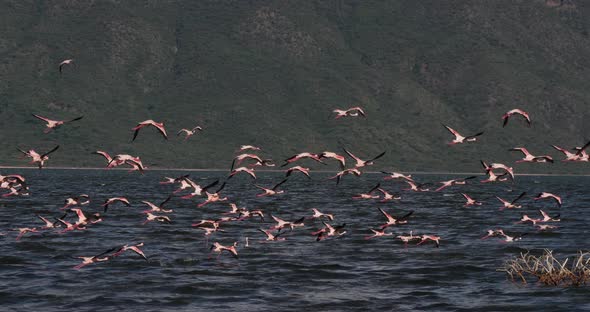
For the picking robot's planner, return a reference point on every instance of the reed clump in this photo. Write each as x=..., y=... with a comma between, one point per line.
x=548, y=270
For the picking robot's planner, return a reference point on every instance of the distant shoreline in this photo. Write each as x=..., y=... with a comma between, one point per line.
x=277, y=170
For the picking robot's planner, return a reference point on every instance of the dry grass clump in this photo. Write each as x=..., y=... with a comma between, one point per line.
x=548, y=270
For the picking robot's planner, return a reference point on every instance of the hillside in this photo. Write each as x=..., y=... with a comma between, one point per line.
x=269, y=73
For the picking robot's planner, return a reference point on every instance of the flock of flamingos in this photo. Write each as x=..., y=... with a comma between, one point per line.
x=245, y=163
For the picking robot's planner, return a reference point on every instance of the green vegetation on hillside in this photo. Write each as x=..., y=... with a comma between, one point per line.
x=269, y=73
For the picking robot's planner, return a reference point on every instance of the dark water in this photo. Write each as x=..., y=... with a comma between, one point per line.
x=348, y=273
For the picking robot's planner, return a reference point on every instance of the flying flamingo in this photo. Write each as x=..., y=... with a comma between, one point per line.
x=368, y=194
x=113, y=200
x=407, y=238
x=351, y=112
x=81, y=200
x=233, y=171
x=416, y=187
x=149, y=122
x=243, y=157
x=511, y=205
x=94, y=259
x=197, y=189
x=271, y=191
x=397, y=175
x=470, y=201
x=517, y=112
x=393, y=220
x=303, y=170
x=189, y=133
x=332, y=155
x=36, y=158
x=342, y=173
x=153, y=217
x=299, y=156
x=54, y=124
x=134, y=248
x=23, y=231
x=461, y=139
x=213, y=197
x=272, y=237
x=158, y=208
x=377, y=233
x=362, y=163
x=317, y=214
x=528, y=157
x=569, y=156
x=387, y=196
x=448, y=183
x=550, y=196
x=64, y=63
x=218, y=248
x=433, y=238
x=248, y=147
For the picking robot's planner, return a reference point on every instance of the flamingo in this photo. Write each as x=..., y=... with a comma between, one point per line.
x=397, y=175
x=543, y=195
x=153, y=217
x=493, y=233
x=368, y=194
x=362, y=163
x=511, y=205
x=434, y=238
x=54, y=124
x=332, y=155
x=233, y=171
x=317, y=214
x=36, y=158
x=351, y=112
x=134, y=248
x=245, y=214
x=271, y=191
x=149, y=122
x=342, y=173
x=387, y=196
x=517, y=112
x=329, y=231
x=81, y=200
x=272, y=237
x=511, y=239
x=64, y=63
x=282, y=223
x=569, y=156
x=528, y=157
x=461, y=139
x=299, y=156
x=197, y=189
x=416, y=187
x=248, y=147
x=94, y=259
x=113, y=200
x=49, y=224
x=407, y=238
x=393, y=220
x=303, y=170
x=245, y=156
x=470, y=201
x=448, y=183
x=23, y=231
x=158, y=208
x=189, y=133
x=377, y=233
x=218, y=248
x=106, y=156
x=213, y=197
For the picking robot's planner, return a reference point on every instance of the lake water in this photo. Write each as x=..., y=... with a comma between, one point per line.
x=346, y=273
